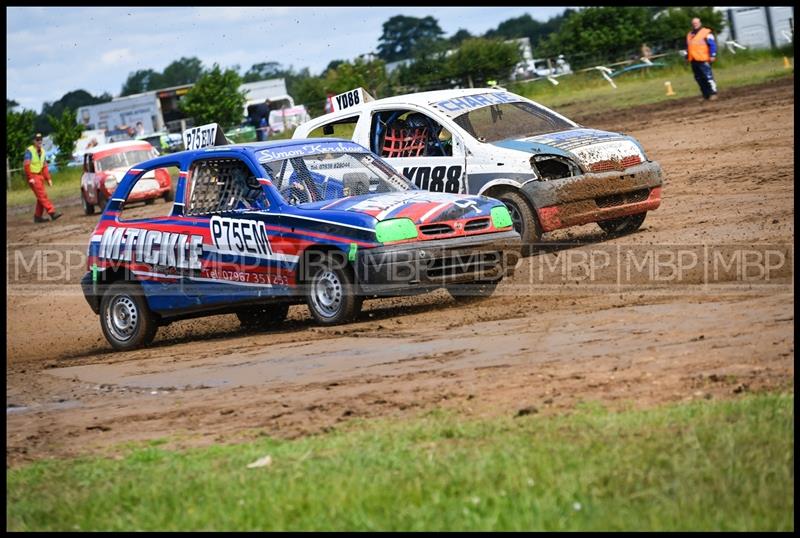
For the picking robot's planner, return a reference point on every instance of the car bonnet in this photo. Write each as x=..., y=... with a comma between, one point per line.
x=589, y=147
x=422, y=207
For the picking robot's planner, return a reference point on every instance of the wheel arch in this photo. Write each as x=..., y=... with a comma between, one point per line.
x=314, y=252
x=105, y=279
x=498, y=185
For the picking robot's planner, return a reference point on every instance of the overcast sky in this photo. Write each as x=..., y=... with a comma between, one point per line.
x=96, y=48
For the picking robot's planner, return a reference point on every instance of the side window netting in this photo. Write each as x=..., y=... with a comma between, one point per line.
x=298, y=185
x=221, y=185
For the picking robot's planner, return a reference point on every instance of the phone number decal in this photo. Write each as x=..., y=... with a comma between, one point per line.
x=247, y=277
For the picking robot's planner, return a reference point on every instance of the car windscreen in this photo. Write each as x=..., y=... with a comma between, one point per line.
x=510, y=120
x=124, y=159
x=331, y=176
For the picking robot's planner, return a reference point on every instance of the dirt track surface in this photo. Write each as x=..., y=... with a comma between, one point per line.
x=729, y=170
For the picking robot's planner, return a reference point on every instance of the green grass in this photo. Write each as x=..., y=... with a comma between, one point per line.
x=66, y=183
x=704, y=465
x=588, y=93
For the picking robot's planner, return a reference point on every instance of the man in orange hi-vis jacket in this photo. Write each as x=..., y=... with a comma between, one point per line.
x=35, y=165
x=701, y=51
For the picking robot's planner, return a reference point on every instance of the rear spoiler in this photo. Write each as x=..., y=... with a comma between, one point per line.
x=205, y=136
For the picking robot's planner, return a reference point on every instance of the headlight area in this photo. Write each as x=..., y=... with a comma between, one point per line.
x=110, y=181
x=501, y=218
x=554, y=167
x=391, y=230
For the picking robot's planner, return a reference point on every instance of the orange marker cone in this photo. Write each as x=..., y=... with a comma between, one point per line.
x=668, y=84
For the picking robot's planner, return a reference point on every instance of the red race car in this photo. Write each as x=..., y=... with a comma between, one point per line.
x=105, y=165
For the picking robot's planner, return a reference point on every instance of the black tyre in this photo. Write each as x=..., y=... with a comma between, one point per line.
x=125, y=318
x=149, y=201
x=330, y=293
x=169, y=196
x=263, y=317
x=87, y=207
x=467, y=292
x=522, y=215
x=622, y=225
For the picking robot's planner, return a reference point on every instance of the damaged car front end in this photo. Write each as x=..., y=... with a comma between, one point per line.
x=586, y=175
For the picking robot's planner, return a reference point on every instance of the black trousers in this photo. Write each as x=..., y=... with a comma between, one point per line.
x=704, y=78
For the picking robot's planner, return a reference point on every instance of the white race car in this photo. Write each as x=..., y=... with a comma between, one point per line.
x=551, y=172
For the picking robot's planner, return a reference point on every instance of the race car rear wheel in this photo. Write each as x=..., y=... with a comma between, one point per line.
x=622, y=225
x=263, y=316
x=522, y=216
x=330, y=291
x=125, y=318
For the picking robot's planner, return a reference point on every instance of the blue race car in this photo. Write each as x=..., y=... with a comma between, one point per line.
x=257, y=227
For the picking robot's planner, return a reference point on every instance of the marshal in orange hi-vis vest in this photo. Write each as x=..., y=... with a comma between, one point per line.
x=697, y=48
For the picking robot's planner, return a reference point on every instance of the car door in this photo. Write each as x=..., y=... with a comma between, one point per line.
x=424, y=148
x=243, y=254
x=208, y=249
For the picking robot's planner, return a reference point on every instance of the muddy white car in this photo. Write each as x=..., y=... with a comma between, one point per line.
x=551, y=172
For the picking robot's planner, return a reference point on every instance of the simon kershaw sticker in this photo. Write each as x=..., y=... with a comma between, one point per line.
x=309, y=149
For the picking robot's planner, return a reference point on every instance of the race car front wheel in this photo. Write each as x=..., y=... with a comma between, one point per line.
x=263, y=316
x=125, y=318
x=522, y=216
x=622, y=225
x=330, y=291
x=87, y=207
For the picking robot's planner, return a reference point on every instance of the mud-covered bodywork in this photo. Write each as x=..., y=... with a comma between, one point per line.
x=492, y=142
x=609, y=177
